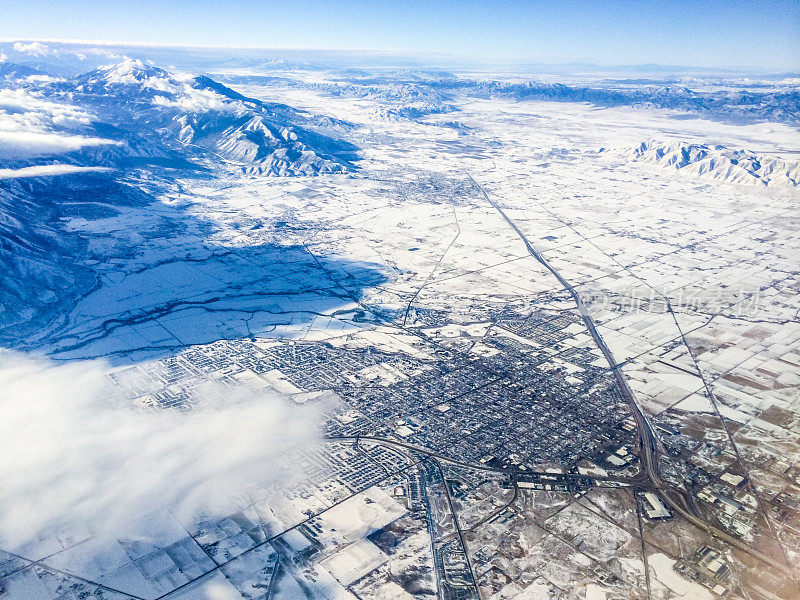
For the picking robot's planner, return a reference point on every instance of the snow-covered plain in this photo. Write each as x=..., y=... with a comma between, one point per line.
x=685, y=256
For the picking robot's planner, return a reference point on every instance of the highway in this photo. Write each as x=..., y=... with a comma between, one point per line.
x=513, y=473
x=459, y=532
x=649, y=444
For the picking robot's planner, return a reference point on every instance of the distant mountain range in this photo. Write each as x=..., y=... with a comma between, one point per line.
x=740, y=105
x=15, y=71
x=417, y=93
x=716, y=162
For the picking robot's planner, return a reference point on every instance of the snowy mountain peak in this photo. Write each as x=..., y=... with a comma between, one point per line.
x=129, y=71
x=128, y=74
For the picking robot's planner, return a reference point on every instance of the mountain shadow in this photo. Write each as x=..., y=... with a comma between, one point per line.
x=97, y=266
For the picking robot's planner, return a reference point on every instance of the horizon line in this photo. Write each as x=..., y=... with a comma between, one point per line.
x=408, y=54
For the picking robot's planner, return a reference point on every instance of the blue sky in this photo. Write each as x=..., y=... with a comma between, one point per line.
x=706, y=33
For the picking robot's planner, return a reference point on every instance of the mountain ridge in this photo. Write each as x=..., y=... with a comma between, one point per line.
x=717, y=162
x=204, y=121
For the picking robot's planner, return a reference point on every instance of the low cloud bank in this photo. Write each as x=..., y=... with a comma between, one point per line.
x=69, y=453
x=31, y=126
x=33, y=49
x=48, y=170
x=26, y=144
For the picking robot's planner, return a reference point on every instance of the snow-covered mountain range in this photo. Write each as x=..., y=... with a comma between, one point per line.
x=424, y=92
x=724, y=165
x=779, y=106
x=147, y=113
x=202, y=119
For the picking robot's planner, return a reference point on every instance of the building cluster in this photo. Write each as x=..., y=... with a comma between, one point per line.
x=524, y=400
x=707, y=567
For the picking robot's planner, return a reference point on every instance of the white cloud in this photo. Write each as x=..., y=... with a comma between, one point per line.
x=82, y=53
x=33, y=48
x=71, y=454
x=103, y=52
x=24, y=144
x=48, y=170
x=21, y=101
x=31, y=126
x=3, y=57
x=191, y=100
x=43, y=78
